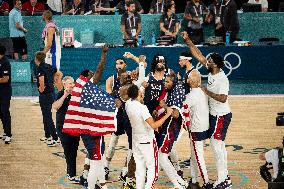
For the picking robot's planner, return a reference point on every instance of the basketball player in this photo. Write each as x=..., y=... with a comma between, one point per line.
x=170, y=130
x=145, y=149
x=219, y=109
x=196, y=111
x=95, y=144
x=113, y=85
x=51, y=38
x=185, y=63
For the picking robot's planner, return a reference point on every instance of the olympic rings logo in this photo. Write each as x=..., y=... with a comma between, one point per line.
x=227, y=64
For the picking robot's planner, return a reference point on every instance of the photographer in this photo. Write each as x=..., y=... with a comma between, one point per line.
x=276, y=158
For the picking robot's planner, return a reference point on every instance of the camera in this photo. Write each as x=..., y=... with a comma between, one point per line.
x=280, y=119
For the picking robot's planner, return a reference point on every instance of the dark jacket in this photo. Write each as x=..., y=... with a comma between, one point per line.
x=229, y=17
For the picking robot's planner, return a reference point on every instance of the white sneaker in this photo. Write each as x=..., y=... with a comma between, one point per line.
x=48, y=140
x=8, y=140
x=35, y=101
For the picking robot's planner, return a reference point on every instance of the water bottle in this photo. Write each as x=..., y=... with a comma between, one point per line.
x=227, y=38
x=116, y=11
x=139, y=40
x=153, y=39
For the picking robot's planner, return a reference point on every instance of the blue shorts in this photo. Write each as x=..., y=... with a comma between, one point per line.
x=95, y=146
x=123, y=125
x=219, y=126
x=168, y=134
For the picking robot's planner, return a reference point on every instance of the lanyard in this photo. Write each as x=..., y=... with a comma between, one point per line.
x=130, y=23
x=162, y=8
x=215, y=10
x=171, y=20
x=195, y=10
x=33, y=10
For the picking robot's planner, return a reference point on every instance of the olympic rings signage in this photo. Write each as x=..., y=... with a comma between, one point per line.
x=227, y=64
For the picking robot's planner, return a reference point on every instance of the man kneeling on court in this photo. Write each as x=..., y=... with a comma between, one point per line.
x=144, y=146
x=196, y=115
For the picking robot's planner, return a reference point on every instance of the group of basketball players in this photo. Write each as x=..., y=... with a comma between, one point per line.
x=153, y=111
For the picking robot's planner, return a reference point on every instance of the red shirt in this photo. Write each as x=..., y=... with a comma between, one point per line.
x=39, y=7
x=4, y=7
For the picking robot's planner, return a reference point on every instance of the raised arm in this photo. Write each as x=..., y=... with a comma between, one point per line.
x=109, y=83
x=194, y=50
x=101, y=65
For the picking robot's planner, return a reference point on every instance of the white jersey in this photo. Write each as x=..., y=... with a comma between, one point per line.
x=272, y=157
x=218, y=84
x=138, y=114
x=53, y=56
x=197, y=103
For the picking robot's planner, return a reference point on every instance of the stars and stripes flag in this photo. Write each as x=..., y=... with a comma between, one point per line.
x=91, y=110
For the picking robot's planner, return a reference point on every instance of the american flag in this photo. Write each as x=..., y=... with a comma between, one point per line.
x=91, y=110
x=176, y=96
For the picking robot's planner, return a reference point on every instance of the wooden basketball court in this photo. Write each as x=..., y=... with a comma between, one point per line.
x=28, y=163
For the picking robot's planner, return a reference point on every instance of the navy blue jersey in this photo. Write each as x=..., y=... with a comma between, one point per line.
x=116, y=85
x=153, y=92
x=184, y=80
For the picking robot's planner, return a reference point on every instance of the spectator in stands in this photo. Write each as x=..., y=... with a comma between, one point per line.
x=215, y=16
x=4, y=8
x=55, y=6
x=229, y=20
x=77, y=8
x=263, y=3
x=67, y=5
x=169, y=22
x=32, y=6
x=157, y=7
x=195, y=12
x=122, y=6
x=131, y=22
x=17, y=31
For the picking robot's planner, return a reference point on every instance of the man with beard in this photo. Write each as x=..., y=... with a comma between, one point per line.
x=130, y=22
x=154, y=83
x=112, y=87
x=169, y=132
x=117, y=85
x=219, y=109
x=94, y=144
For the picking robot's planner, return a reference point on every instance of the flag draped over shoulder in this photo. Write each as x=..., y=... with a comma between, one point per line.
x=91, y=110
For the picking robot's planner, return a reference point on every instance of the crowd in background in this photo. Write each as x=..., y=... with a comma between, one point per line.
x=35, y=7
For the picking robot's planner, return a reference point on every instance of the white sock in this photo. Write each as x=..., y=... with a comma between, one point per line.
x=111, y=149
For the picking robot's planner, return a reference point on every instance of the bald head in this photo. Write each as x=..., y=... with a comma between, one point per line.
x=194, y=79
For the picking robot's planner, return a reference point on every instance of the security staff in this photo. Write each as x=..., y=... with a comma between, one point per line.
x=45, y=80
x=5, y=94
